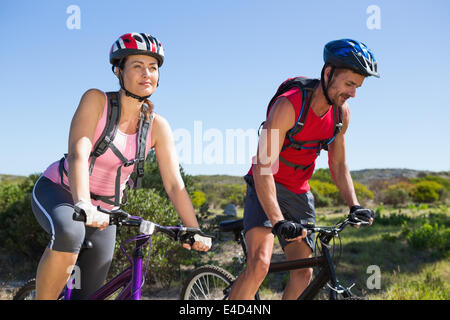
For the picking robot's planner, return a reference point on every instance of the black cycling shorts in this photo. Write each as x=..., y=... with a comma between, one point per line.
x=53, y=208
x=294, y=207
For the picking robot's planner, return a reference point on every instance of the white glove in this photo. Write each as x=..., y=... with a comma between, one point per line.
x=205, y=240
x=92, y=214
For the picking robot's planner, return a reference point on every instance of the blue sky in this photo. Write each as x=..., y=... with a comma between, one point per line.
x=224, y=61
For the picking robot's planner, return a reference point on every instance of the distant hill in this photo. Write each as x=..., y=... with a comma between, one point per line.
x=364, y=176
x=219, y=179
x=10, y=177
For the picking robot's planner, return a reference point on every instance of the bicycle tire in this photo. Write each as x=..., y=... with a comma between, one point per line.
x=27, y=291
x=207, y=283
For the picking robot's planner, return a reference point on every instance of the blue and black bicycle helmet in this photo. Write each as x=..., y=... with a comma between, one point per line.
x=350, y=54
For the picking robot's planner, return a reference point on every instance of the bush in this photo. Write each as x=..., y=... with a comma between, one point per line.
x=325, y=193
x=198, y=198
x=430, y=236
x=362, y=193
x=152, y=178
x=393, y=219
x=322, y=175
x=397, y=194
x=19, y=230
x=426, y=191
x=320, y=200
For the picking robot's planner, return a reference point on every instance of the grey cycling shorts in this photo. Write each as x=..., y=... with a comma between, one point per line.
x=294, y=207
x=53, y=208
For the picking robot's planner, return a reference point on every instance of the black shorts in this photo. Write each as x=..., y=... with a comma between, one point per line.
x=53, y=208
x=294, y=207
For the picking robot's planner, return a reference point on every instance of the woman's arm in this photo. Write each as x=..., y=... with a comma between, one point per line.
x=169, y=168
x=81, y=137
x=170, y=173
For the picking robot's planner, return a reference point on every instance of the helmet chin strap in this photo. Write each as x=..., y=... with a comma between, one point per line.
x=322, y=82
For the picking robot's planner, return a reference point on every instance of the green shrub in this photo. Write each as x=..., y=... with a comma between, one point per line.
x=321, y=200
x=327, y=194
x=362, y=192
x=325, y=189
x=322, y=175
x=442, y=181
x=152, y=177
x=397, y=194
x=19, y=230
x=393, y=219
x=429, y=236
x=198, y=198
x=426, y=191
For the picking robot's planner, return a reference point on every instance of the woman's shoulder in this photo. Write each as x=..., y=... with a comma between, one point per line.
x=94, y=99
x=159, y=120
x=94, y=94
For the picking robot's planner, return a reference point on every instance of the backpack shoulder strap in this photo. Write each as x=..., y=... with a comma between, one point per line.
x=110, y=130
x=305, y=85
x=144, y=128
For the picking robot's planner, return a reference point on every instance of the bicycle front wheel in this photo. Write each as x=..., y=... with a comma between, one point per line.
x=27, y=291
x=207, y=283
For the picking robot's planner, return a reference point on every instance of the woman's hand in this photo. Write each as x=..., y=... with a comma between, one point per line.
x=201, y=244
x=94, y=218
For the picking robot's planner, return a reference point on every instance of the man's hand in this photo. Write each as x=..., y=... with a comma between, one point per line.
x=288, y=230
x=361, y=215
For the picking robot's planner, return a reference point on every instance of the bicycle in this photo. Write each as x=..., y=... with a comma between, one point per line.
x=128, y=284
x=211, y=282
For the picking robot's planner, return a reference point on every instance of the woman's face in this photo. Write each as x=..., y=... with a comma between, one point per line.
x=140, y=74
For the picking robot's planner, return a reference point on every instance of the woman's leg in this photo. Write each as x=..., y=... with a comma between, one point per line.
x=53, y=208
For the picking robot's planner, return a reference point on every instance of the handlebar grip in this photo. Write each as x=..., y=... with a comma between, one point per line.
x=79, y=215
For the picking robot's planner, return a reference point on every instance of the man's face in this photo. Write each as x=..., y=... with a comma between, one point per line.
x=343, y=86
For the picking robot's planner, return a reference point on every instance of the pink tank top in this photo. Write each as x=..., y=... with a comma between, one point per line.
x=102, y=179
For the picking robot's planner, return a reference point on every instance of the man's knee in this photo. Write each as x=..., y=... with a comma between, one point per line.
x=258, y=265
x=301, y=275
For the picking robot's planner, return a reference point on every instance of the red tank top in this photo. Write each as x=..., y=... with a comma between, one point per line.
x=315, y=128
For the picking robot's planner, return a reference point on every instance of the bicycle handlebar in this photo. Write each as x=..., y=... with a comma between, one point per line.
x=334, y=229
x=121, y=218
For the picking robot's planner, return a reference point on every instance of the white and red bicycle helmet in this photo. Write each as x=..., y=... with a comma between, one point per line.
x=135, y=43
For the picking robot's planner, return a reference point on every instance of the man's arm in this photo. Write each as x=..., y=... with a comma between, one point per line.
x=338, y=165
x=281, y=118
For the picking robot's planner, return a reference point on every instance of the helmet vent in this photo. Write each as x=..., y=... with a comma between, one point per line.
x=137, y=38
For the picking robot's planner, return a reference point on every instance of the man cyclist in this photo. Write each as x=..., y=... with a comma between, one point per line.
x=278, y=200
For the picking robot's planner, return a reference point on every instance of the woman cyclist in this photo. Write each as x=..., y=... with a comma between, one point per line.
x=82, y=180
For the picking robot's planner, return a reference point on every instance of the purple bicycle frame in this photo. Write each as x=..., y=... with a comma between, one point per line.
x=130, y=279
